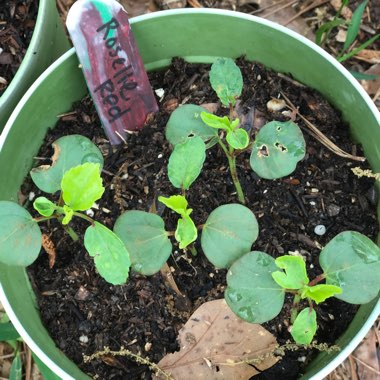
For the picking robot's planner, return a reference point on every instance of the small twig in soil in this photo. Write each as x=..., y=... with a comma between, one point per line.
x=366, y=365
x=304, y=239
x=129, y=354
x=317, y=134
x=299, y=202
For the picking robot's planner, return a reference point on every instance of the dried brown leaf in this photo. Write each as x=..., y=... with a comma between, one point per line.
x=372, y=86
x=366, y=357
x=216, y=344
x=49, y=248
x=283, y=13
x=346, y=12
x=369, y=56
x=138, y=7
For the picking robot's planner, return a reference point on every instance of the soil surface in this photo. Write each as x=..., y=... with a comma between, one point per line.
x=83, y=313
x=17, y=21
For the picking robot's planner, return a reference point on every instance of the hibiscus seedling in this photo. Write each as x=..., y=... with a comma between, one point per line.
x=228, y=233
x=80, y=185
x=275, y=150
x=257, y=283
x=146, y=239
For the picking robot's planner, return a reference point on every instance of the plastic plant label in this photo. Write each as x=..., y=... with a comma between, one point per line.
x=112, y=66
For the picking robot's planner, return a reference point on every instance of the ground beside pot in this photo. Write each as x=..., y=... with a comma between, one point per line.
x=217, y=33
x=48, y=42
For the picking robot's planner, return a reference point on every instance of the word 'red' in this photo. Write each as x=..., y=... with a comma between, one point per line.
x=122, y=81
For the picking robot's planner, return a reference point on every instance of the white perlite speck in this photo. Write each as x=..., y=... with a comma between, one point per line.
x=320, y=229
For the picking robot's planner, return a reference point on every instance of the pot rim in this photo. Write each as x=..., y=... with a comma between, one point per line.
x=376, y=311
x=42, y=14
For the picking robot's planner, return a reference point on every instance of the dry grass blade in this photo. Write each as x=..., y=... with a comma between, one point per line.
x=317, y=134
x=28, y=362
x=169, y=279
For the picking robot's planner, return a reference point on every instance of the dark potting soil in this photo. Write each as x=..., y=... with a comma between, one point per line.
x=17, y=21
x=83, y=313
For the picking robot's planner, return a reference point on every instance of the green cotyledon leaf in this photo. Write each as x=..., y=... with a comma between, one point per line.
x=226, y=80
x=185, y=122
x=20, y=235
x=69, y=151
x=295, y=276
x=228, y=233
x=251, y=292
x=304, y=327
x=146, y=240
x=277, y=149
x=351, y=261
x=110, y=254
x=82, y=186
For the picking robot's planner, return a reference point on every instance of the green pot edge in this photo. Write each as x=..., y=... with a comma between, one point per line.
x=49, y=41
x=362, y=317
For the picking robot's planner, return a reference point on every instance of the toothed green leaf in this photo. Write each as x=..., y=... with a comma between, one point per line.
x=295, y=276
x=82, y=186
x=226, y=80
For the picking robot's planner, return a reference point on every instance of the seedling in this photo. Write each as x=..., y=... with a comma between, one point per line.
x=256, y=287
x=228, y=233
x=275, y=151
x=80, y=185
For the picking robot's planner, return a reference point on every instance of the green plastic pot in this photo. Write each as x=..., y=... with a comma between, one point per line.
x=198, y=36
x=48, y=42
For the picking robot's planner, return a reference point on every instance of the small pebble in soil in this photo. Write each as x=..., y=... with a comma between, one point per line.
x=320, y=229
x=90, y=213
x=333, y=210
x=31, y=196
x=160, y=92
x=83, y=339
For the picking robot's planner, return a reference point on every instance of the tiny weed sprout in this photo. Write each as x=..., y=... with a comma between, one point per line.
x=257, y=283
x=75, y=172
x=275, y=150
